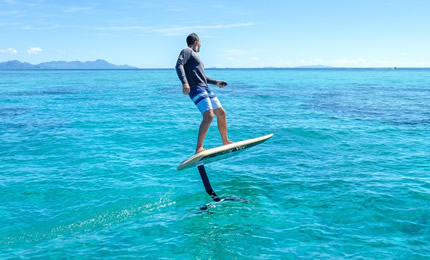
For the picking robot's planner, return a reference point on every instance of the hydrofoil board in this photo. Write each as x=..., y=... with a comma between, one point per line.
x=221, y=152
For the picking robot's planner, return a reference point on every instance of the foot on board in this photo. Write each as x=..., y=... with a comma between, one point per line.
x=200, y=150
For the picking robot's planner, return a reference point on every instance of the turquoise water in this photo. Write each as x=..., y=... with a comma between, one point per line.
x=88, y=166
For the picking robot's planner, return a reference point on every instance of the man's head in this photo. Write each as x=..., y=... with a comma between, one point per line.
x=193, y=42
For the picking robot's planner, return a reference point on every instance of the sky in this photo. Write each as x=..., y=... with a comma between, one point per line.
x=234, y=33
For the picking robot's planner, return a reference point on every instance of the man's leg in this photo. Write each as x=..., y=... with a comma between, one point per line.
x=222, y=125
x=208, y=116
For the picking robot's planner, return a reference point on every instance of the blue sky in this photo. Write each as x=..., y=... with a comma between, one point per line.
x=150, y=34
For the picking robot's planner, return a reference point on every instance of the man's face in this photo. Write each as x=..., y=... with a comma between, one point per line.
x=198, y=44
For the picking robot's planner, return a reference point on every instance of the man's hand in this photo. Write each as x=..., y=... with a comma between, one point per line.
x=221, y=83
x=185, y=88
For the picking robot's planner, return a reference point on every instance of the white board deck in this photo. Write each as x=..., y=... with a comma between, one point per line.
x=221, y=152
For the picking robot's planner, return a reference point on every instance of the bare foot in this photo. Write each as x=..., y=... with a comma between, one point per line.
x=201, y=149
x=228, y=142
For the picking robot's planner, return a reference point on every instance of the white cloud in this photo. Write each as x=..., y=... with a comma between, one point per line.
x=358, y=62
x=41, y=27
x=243, y=54
x=12, y=13
x=9, y=51
x=421, y=64
x=382, y=62
x=34, y=50
x=174, y=31
x=347, y=62
x=177, y=10
x=182, y=30
x=76, y=9
x=123, y=28
x=236, y=52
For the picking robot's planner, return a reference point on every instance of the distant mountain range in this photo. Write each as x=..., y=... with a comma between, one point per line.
x=62, y=65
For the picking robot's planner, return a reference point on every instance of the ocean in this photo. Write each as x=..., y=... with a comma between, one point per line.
x=88, y=166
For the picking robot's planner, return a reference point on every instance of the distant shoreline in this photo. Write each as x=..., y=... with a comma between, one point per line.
x=104, y=65
x=292, y=68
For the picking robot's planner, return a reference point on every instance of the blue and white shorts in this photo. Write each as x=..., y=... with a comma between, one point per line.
x=204, y=98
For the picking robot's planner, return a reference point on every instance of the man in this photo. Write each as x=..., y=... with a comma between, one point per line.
x=191, y=72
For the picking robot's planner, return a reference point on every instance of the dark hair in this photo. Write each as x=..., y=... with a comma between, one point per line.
x=192, y=38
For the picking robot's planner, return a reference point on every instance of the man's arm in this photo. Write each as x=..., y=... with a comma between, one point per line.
x=182, y=60
x=211, y=81
x=219, y=83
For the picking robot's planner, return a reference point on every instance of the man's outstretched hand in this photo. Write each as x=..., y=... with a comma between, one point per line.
x=185, y=89
x=221, y=84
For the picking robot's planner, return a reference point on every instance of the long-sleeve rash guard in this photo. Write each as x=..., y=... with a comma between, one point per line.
x=190, y=69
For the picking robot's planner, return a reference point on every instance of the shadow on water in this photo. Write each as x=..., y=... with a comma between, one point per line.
x=40, y=92
x=101, y=218
x=384, y=107
x=96, y=220
x=13, y=111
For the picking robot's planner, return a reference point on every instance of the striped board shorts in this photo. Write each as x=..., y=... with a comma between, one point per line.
x=204, y=98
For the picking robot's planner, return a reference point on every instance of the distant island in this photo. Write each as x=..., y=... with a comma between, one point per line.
x=62, y=65
x=104, y=65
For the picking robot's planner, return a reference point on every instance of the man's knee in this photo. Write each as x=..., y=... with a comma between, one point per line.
x=208, y=115
x=220, y=112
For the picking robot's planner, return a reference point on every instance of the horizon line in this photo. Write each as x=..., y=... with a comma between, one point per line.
x=312, y=66
x=245, y=68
